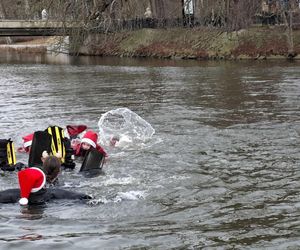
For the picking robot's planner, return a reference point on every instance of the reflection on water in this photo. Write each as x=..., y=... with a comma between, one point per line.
x=32, y=212
x=220, y=172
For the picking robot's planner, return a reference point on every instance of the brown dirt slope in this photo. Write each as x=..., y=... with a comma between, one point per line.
x=254, y=43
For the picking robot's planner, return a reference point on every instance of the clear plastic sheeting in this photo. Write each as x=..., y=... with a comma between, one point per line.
x=122, y=127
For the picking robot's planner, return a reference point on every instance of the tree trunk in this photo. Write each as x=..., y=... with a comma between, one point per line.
x=27, y=9
x=288, y=20
x=159, y=9
x=3, y=15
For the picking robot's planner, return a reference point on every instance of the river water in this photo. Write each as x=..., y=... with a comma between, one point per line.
x=220, y=172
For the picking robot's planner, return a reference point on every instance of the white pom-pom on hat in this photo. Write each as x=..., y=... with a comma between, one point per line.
x=23, y=201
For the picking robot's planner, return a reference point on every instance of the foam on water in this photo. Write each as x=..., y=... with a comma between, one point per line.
x=119, y=181
x=119, y=197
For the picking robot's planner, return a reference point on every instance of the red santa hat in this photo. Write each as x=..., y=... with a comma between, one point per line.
x=90, y=137
x=31, y=180
x=74, y=130
x=27, y=140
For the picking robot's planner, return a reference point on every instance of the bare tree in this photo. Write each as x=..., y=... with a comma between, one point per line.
x=3, y=15
x=286, y=11
x=105, y=15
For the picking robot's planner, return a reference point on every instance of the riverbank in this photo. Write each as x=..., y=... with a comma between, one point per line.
x=254, y=43
x=268, y=42
x=38, y=45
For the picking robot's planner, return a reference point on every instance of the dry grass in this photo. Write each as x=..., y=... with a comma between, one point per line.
x=40, y=41
x=255, y=43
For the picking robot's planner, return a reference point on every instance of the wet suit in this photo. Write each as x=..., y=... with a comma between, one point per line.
x=42, y=196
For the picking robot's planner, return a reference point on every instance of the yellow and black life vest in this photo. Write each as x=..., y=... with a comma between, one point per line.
x=57, y=143
x=7, y=153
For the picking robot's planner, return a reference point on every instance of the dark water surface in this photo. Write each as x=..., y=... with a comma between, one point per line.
x=221, y=171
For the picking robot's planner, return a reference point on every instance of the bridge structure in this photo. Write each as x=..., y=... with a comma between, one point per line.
x=58, y=28
x=35, y=28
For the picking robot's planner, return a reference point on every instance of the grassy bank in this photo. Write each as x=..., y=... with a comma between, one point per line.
x=254, y=43
x=201, y=44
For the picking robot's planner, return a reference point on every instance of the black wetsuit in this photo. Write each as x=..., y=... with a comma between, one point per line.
x=42, y=196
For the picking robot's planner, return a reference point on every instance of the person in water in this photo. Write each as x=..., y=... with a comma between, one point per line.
x=72, y=130
x=89, y=140
x=33, y=180
x=114, y=140
x=33, y=183
x=27, y=141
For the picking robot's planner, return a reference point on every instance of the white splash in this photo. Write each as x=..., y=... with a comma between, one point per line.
x=131, y=195
x=122, y=128
x=121, y=196
x=119, y=181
